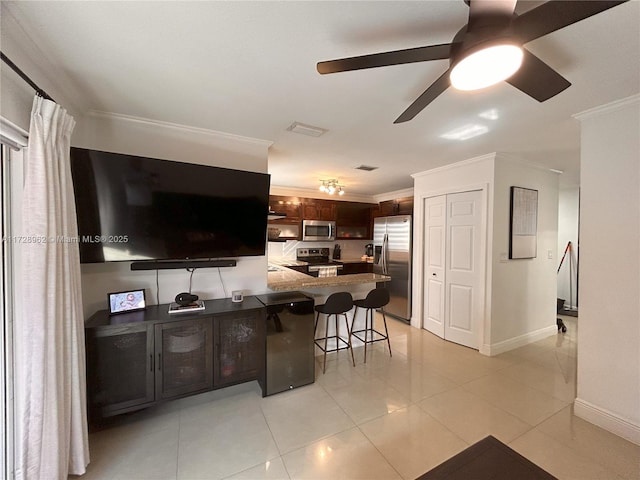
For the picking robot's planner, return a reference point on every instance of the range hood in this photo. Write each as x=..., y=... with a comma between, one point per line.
x=275, y=215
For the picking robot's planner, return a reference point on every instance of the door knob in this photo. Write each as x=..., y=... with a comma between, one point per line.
x=434, y=274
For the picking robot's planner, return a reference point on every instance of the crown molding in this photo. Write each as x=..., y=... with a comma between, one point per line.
x=526, y=163
x=608, y=107
x=177, y=126
x=452, y=166
x=405, y=192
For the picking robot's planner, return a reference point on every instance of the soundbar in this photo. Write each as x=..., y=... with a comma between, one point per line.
x=174, y=264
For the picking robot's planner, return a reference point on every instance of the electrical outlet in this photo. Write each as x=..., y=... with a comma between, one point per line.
x=550, y=254
x=503, y=258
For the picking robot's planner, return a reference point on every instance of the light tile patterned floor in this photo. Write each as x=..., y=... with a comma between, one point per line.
x=391, y=418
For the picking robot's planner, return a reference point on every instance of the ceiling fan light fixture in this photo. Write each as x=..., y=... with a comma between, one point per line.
x=487, y=66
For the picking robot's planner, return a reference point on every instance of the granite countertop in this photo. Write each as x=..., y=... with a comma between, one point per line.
x=286, y=279
x=286, y=262
x=355, y=260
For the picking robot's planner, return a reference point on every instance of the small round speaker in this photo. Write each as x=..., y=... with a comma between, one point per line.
x=185, y=298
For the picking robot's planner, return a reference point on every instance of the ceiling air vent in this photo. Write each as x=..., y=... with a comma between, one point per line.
x=366, y=168
x=309, y=130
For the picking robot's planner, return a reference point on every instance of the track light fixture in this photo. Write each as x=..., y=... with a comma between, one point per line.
x=331, y=187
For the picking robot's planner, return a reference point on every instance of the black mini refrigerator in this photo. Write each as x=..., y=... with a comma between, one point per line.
x=290, y=359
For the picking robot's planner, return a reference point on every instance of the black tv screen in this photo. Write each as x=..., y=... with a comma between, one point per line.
x=137, y=208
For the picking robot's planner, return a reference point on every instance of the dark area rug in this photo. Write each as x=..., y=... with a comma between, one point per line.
x=489, y=459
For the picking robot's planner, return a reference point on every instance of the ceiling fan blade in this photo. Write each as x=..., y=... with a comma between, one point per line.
x=396, y=57
x=428, y=96
x=557, y=14
x=537, y=79
x=490, y=12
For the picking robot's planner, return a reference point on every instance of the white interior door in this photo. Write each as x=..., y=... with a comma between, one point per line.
x=463, y=279
x=435, y=209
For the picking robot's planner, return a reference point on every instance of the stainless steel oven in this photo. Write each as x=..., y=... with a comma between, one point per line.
x=318, y=230
x=318, y=262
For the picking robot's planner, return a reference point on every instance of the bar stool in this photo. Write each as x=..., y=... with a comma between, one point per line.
x=376, y=298
x=337, y=304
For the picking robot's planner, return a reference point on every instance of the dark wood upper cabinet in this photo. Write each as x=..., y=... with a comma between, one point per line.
x=398, y=206
x=289, y=226
x=315, y=209
x=353, y=220
x=405, y=206
x=290, y=206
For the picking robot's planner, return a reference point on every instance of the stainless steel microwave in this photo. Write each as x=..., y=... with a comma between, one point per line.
x=318, y=230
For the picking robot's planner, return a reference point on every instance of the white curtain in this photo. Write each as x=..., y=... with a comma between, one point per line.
x=51, y=409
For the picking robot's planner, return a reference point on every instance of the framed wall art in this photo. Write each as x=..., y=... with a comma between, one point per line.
x=523, y=223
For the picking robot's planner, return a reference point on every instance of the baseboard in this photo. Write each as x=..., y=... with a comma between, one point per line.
x=607, y=420
x=519, y=341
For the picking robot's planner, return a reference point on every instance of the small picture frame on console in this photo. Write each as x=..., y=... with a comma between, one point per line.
x=124, y=302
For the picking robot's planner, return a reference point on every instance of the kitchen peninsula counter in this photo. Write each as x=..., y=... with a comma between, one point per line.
x=285, y=279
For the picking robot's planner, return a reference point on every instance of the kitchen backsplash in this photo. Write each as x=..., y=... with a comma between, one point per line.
x=350, y=249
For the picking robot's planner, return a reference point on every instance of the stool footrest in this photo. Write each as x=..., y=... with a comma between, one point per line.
x=370, y=334
x=332, y=349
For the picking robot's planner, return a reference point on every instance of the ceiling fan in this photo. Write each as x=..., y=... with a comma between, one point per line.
x=487, y=50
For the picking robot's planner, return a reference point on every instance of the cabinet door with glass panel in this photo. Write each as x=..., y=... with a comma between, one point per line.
x=184, y=357
x=120, y=368
x=239, y=347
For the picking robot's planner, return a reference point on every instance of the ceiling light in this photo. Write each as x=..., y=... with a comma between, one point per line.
x=465, y=132
x=331, y=186
x=486, y=67
x=309, y=130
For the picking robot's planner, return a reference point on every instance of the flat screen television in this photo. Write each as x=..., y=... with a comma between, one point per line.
x=136, y=208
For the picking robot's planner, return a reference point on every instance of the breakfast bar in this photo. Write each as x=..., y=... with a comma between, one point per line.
x=285, y=278
x=280, y=278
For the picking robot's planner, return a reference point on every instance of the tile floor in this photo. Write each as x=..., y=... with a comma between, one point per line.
x=391, y=418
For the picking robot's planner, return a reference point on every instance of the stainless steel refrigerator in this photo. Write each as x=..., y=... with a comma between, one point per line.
x=392, y=256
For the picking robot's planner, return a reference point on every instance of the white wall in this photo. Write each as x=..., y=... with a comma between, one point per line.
x=523, y=291
x=609, y=322
x=568, y=217
x=123, y=134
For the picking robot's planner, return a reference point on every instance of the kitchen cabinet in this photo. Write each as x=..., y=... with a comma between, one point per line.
x=120, y=368
x=313, y=209
x=184, y=357
x=290, y=225
x=139, y=359
x=351, y=268
x=398, y=206
x=300, y=268
x=290, y=206
x=239, y=347
x=353, y=220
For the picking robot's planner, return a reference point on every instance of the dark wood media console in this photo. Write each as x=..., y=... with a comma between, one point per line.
x=139, y=359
